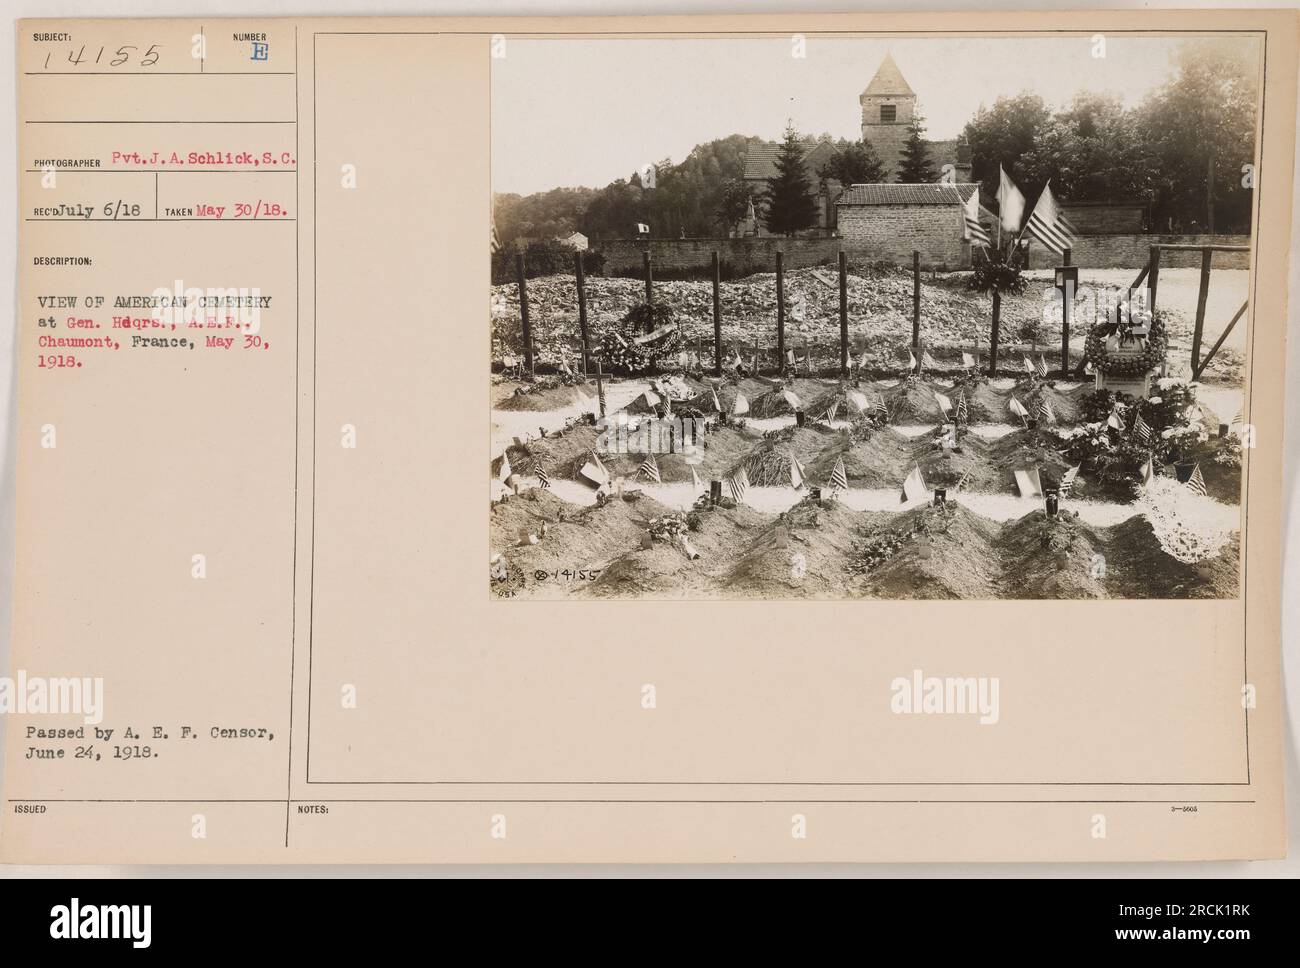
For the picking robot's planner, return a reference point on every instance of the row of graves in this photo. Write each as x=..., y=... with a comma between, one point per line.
x=937, y=435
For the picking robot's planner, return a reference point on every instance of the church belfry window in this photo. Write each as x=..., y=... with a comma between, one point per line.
x=888, y=112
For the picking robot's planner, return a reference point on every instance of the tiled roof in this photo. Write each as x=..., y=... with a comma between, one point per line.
x=927, y=194
x=760, y=158
x=888, y=81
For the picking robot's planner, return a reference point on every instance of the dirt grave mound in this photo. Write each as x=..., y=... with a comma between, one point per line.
x=994, y=461
x=929, y=552
x=664, y=570
x=778, y=402
x=843, y=403
x=1051, y=557
x=768, y=464
x=985, y=405
x=1138, y=567
x=545, y=398
x=912, y=402
x=801, y=554
x=883, y=459
x=563, y=454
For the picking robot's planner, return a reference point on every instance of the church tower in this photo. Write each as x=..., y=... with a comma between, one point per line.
x=888, y=105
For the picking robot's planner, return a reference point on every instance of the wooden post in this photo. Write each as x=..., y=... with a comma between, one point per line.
x=1153, y=277
x=780, y=313
x=523, y=313
x=717, y=318
x=649, y=278
x=916, y=308
x=1201, y=297
x=844, y=314
x=581, y=282
x=1067, y=303
x=993, y=335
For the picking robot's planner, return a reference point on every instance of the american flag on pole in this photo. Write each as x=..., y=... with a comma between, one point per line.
x=650, y=468
x=738, y=484
x=839, y=478
x=882, y=411
x=1046, y=413
x=1142, y=431
x=1239, y=419
x=1048, y=224
x=1018, y=408
x=1068, y=478
x=944, y=403
x=1196, y=483
x=540, y=470
x=1029, y=365
x=963, y=410
x=975, y=233
x=1042, y=365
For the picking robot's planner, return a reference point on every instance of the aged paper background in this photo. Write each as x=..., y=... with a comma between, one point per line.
x=363, y=567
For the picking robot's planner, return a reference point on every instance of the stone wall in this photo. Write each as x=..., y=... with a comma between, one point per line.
x=739, y=257
x=885, y=233
x=1133, y=252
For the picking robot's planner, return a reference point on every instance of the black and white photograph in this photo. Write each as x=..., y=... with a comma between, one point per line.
x=842, y=317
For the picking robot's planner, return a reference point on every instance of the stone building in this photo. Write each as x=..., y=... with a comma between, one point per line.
x=888, y=106
x=887, y=222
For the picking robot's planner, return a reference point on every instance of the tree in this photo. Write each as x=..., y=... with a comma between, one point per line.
x=733, y=205
x=789, y=196
x=1002, y=135
x=854, y=163
x=914, y=166
x=1201, y=131
x=1092, y=151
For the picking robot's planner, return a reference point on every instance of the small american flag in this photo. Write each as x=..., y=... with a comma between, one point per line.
x=839, y=478
x=882, y=411
x=1141, y=430
x=1067, y=479
x=975, y=233
x=1196, y=483
x=1240, y=418
x=540, y=470
x=832, y=411
x=738, y=484
x=1045, y=412
x=1018, y=408
x=962, y=409
x=1029, y=365
x=650, y=468
x=1042, y=365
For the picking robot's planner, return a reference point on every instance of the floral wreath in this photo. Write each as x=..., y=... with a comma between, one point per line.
x=1152, y=355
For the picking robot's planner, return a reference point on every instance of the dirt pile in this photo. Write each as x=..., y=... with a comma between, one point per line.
x=664, y=569
x=800, y=555
x=1052, y=557
x=881, y=460
x=933, y=553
